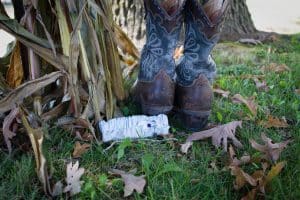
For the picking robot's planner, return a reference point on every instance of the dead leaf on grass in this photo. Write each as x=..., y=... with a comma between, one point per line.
x=74, y=174
x=274, y=122
x=251, y=195
x=80, y=149
x=274, y=67
x=241, y=178
x=131, y=182
x=262, y=86
x=258, y=180
x=275, y=170
x=297, y=91
x=221, y=92
x=219, y=136
x=249, y=102
x=7, y=123
x=234, y=161
x=271, y=150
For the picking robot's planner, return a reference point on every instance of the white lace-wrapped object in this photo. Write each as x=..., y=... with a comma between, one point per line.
x=134, y=127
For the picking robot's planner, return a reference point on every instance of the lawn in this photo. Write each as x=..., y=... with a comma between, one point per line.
x=202, y=173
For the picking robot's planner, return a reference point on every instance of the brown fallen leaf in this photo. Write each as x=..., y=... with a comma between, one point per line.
x=241, y=178
x=74, y=174
x=258, y=180
x=15, y=72
x=219, y=136
x=131, y=182
x=274, y=122
x=221, y=92
x=7, y=123
x=263, y=178
x=80, y=149
x=297, y=91
x=249, y=102
x=234, y=161
x=271, y=150
x=274, y=67
x=251, y=195
x=275, y=170
x=262, y=86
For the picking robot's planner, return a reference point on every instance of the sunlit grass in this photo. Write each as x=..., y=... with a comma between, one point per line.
x=169, y=174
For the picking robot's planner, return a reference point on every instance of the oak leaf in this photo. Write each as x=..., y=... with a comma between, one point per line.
x=249, y=102
x=80, y=149
x=131, y=182
x=274, y=122
x=271, y=150
x=241, y=178
x=74, y=174
x=219, y=136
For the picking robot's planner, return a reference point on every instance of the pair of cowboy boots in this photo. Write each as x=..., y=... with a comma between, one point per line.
x=162, y=85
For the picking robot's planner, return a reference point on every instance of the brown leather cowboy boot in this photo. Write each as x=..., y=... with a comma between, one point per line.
x=197, y=69
x=155, y=88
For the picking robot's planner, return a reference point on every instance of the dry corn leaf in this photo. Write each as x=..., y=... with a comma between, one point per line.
x=74, y=174
x=80, y=149
x=274, y=67
x=219, y=136
x=124, y=42
x=270, y=150
x=221, y=92
x=7, y=123
x=249, y=102
x=17, y=96
x=274, y=122
x=15, y=72
x=36, y=136
x=131, y=182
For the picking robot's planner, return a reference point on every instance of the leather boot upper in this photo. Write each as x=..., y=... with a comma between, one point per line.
x=155, y=88
x=163, y=32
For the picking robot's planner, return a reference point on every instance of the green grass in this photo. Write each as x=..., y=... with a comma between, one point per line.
x=169, y=174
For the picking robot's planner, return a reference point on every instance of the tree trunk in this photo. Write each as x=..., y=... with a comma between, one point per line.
x=129, y=14
x=238, y=22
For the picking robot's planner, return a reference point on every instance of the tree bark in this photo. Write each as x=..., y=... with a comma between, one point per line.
x=129, y=14
x=238, y=22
